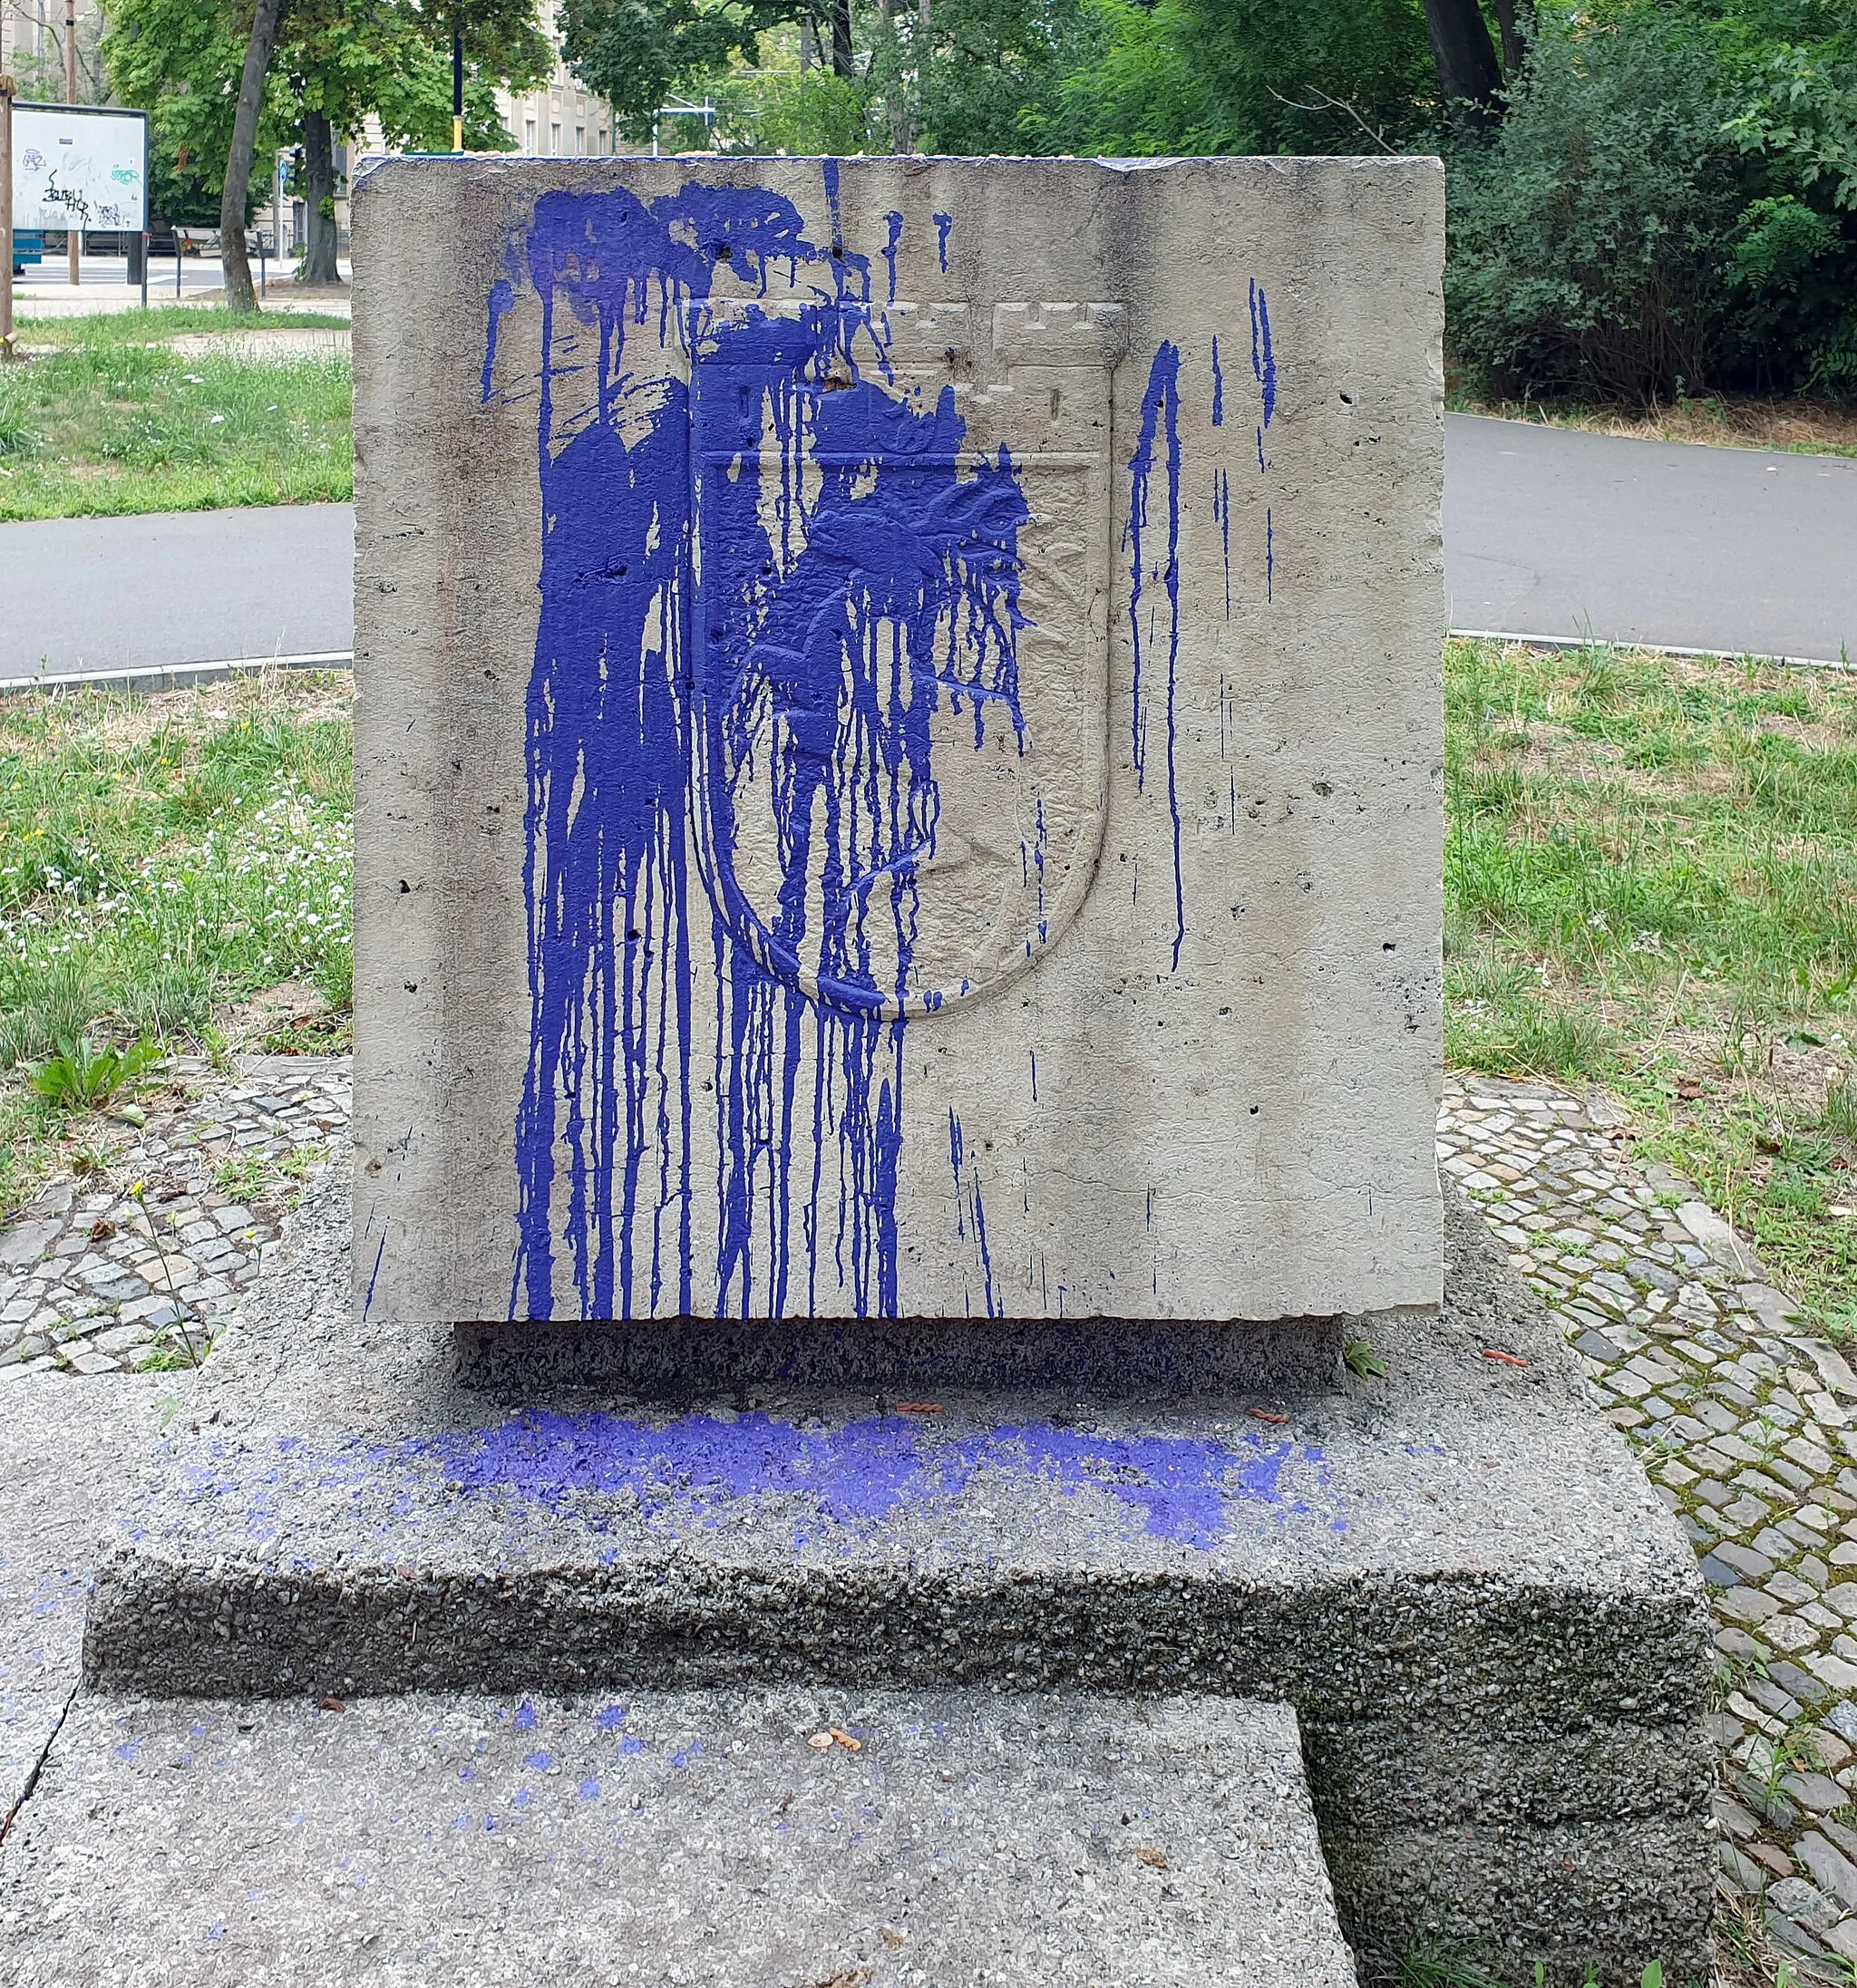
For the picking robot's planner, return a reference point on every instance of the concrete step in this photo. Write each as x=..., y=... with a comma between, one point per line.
x=729, y=1838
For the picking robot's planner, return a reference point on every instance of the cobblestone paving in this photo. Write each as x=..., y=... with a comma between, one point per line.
x=1748, y=1428
x=97, y=1277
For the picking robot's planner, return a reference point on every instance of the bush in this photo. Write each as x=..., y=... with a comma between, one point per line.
x=1589, y=240
x=1632, y=232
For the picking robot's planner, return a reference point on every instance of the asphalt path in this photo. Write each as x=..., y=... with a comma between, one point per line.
x=1548, y=532
x=176, y=587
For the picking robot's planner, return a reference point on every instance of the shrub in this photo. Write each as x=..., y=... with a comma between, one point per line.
x=1590, y=240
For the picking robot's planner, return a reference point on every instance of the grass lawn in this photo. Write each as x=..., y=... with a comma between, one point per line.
x=109, y=418
x=161, y=861
x=1650, y=884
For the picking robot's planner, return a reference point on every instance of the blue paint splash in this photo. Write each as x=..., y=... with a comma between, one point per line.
x=1218, y=387
x=1159, y=415
x=943, y=223
x=855, y=581
x=1189, y=1489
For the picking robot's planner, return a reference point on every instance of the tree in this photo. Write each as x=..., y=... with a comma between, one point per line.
x=334, y=63
x=1470, y=78
x=237, y=270
x=344, y=61
x=636, y=53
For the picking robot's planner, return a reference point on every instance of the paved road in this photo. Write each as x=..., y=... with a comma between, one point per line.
x=1547, y=532
x=179, y=586
x=1551, y=532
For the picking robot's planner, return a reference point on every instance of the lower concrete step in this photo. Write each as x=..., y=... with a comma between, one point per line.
x=780, y=1838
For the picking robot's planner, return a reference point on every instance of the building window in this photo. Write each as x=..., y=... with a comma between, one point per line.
x=529, y=134
x=554, y=140
x=602, y=140
x=580, y=140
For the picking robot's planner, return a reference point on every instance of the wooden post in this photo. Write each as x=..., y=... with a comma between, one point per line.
x=6, y=351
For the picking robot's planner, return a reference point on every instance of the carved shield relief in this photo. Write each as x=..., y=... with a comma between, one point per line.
x=899, y=645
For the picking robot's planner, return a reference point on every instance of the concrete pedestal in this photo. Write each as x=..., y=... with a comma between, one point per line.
x=1492, y=1635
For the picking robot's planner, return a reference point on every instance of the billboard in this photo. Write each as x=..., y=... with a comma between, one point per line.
x=73, y=167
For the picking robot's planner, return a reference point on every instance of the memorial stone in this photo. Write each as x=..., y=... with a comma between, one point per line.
x=899, y=739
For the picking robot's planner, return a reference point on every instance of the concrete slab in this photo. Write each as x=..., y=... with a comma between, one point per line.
x=898, y=738
x=691, y=1838
x=1493, y=1635
x=66, y=1446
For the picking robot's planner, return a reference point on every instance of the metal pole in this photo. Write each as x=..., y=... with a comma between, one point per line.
x=457, y=85
x=7, y=352
x=145, y=269
x=74, y=236
x=177, y=262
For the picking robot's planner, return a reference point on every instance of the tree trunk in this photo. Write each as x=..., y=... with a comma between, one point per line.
x=1516, y=20
x=234, y=264
x=841, y=38
x=1469, y=76
x=319, y=197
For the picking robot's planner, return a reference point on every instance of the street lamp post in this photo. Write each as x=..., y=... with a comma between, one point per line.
x=457, y=85
x=74, y=236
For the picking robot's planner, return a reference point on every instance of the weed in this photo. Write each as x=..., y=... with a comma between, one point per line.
x=1363, y=1360
x=195, y=1355
x=85, y=1075
x=1839, y=1117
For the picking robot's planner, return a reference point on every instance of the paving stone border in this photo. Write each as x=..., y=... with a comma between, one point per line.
x=1748, y=1427
x=132, y=1266
x=1745, y=1423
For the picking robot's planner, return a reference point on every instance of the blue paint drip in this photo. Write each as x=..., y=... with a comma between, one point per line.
x=374, y=1275
x=1263, y=361
x=1160, y=407
x=503, y=300
x=1189, y=1489
x=807, y=673
x=1218, y=386
x=958, y=1153
x=943, y=223
x=1269, y=556
x=895, y=223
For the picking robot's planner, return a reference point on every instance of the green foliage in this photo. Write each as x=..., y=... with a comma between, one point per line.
x=1133, y=92
x=637, y=52
x=1589, y=240
x=87, y=1075
x=348, y=59
x=1306, y=75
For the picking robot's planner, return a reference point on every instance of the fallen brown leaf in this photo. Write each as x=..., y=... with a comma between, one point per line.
x=1507, y=1358
x=846, y=1740
x=1147, y=1854
x=332, y=1705
x=1266, y=1415
x=819, y=1741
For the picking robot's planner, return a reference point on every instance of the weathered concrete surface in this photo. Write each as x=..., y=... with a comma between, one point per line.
x=692, y=1838
x=1492, y=1632
x=65, y=1448
x=945, y=821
